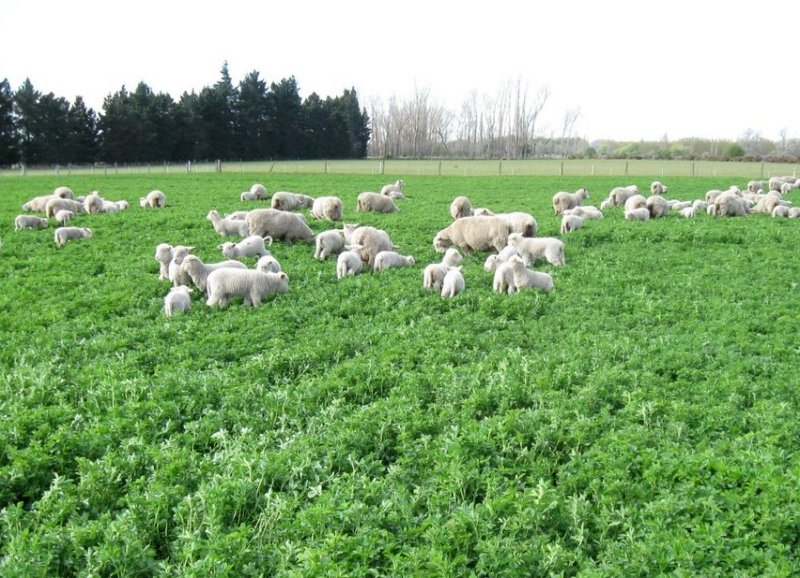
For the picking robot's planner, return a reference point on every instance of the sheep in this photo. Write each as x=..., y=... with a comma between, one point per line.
x=395, y=195
x=155, y=199
x=268, y=264
x=93, y=203
x=619, y=195
x=699, y=205
x=348, y=263
x=787, y=187
x=780, y=211
x=766, y=203
x=775, y=183
x=198, y=272
x=452, y=258
x=175, y=272
x=532, y=250
x=563, y=201
x=473, y=234
x=347, y=231
x=453, y=283
x=257, y=192
x=368, y=242
x=328, y=208
x=606, y=204
x=658, y=207
x=678, y=205
x=433, y=275
x=376, y=203
x=585, y=212
x=163, y=256
x=177, y=300
x=63, y=235
x=30, y=222
x=688, y=212
x=111, y=207
x=253, y=286
x=524, y=278
x=236, y=215
x=227, y=226
x=123, y=205
x=328, y=243
x=656, y=188
x=494, y=261
x=570, y=223
x=247, y=196
x=522, y=223
x=64, y=193
x=278, y=224
x=460, y=208
x=503, y=281
x=396, y=187
x=252, y=246
x=482, y=212
x=794, y=212
x=755, y=186
x=63, y=216
x=284, y=201
x=640, y=214
x=728, y=204
x=635, y=202
x=712, y=195
x=37, y=204
x=789, y=179
x=388, y=259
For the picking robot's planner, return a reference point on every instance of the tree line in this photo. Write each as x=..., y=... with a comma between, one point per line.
x=248, y=121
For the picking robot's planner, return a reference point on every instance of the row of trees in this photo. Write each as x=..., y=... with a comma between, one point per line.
x=249, y=121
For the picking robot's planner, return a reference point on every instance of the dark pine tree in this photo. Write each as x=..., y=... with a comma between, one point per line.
x=26, y=100
x=251, y=124
x=284, y=110
x=53, y=129
x=118, y=128
x=216, y=107
x=8, y=136
x=83, y=139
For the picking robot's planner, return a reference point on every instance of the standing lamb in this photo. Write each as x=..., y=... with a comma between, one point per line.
x=453, y=283
x=503, y=281
x=198, y=271
x=368, y=242
x=376, y=203
x=532, y=250
x=227, y=226
x=328, y=243
x=177, y=275
x=163, y=256
x=493, y=261
x=570, y=223
x=563, y=201
x=253, y=286
x=280, y=225
x=268, y=264
x=177, y=299
x=327, y=208
x=526, y=278
x=460, y=207
x=348, y=263
x=155, y=199
x=252, y=246
x=473, y=234
x=30, y=222
x=656, y=188
x=65, y=234
x=433, y=275
x=63, y=216
x=388, y=259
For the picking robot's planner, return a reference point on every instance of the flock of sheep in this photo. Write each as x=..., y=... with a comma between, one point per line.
x=511, y=236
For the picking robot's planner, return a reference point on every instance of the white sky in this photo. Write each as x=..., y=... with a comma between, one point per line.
x=636, y=69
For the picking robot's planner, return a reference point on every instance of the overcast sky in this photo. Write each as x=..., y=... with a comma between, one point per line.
x=636, y=69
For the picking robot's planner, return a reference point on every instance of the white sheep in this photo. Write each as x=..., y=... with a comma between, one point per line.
x=699, y=205
x=285, y=201
x=679, y=205
x=376, y=203
x=780, y=211
x=395, y=195
x=619, y=195
x=227, y=226
x=57, y=204
x=236, y=215
x=30, y=222
x=63, y=216
x=268, y=264
x=327, y=208
x=570, y=223
x=712, y=195
x=503, y=281
x=278, y=224
x=93, y=203
x=329, y=243
x=396, y=187
x=688, y=212
x=155, y=199
x=563, y=200
x=257, y=192
x=519, y=222
x=775, y=183
x=198, y=271
x=348, y=263
x=37, y=204
x=788, y=187
x=794, y=212
x=252, y=246
x=635, y=202
x=656, y=188
x=368, y=242
x=388, y=259
x=658, y=206
x=532, y=250
x=64, y=193
x=453, y=283
x=606, y=204
x=65, y=234
x=473, y=234
x=433, y=275
x=175, y=271
x=163, y=256
x=524, y=278
x=177, y=299
x=253, y=286
x=483, y=212
x=640, y=214
x=460, y=208
x=493, y=261
x=585, y=212
x=755, y=186
x=728, y=204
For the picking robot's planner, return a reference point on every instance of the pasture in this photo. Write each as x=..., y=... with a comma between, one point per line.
x=641, y=419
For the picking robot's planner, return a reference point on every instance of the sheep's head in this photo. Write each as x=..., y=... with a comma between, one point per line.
x=441, y=242
x=491, y=263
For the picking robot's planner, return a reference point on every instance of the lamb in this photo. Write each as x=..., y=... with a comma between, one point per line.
x=563, y=201
x=57, y=204
x=177, y=300
x=155, y=199
x=198, y=271
x=619, y=195
x=329, y=243
x=699, y=205
x=30, y=222
x=794, y=212
x=278, y=224
x=64, y=193
x=775, y=183
x=755, y=186
x=473, y=234
x=348, y=263
x=252, y=246
x=396, y=187
x=524, y=278
x=283, y=201
x=780, y=211
x=327, y=208
x=532, y=250
x=433, y=275
x=656, y=188
x=253, y=286
x=585, y=212
x=111, y=207
x=712, y=195
x=453, y=283
x=93, y=203
x=63, y=216
x=376, y=203
x=787, y=187
x=227, y=226
x=65, y=234
x=395, y=195
x=640, y=214
x=635, y=202
x=728, y=204
x=482, y=212
x=257, y=192
x=678, y=205
x=522, y=223
x=460, y=208
x=688, y=212
x=494, y=261
x=268, y=264
x=388, y=259
x=606, y=204
x=163, y=256
x=503, y=281
x=236, y=215
x=37, y=204
x=658, y=206
x=175, y=271
x=570, y=223
x=368, y=242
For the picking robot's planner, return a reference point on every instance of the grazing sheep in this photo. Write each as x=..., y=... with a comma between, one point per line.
x=257, y=192
x=388, y=259
x=227, y=226
x=37, y=204
x=656, y=188
x=236, y=215
x=460, y=208
x=658, y=206
x=247, y=196
x=619, y=195
x=111, y=207
x=606, y=204
x=522, y=223
x=284, y=201
x=473, y=234
x=376, y=203
x=198, y=271
x=175, y=272
x=163, y=256
x=268, y=264
x=252, y=246
x=493, y=261
x=177, y=300
x=482, y=212
x=712, y=195
x=395, y=196
x=699, y=205
x=65, y=234
x=640, y=214
x=347, y=231
x=154, y=199
x=329, y=243
x=563, y=201
x=64, y=193
x=635, y=202
x=532, y=250
x=780, y=211
x=453, y=283
x=585, y=212
x=280, y=225
x=433, y=275
x=30, y=222
x=253, y=286
x=63, y=216
x=775, y=183
x=688, y=212
x=755, y=186
x=766, y=203
x=327, y=208
x=570, y=223
x=368, y=242
x=679, y=205
x=524, y=278
x=788, y=187
x=93, y=203
x=57, y=204
x=794, y=212
x=503, y=281
x=396, y=187
x=728, y=204
x=348, y=263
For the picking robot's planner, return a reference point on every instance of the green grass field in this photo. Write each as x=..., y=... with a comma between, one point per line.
x=640, y=420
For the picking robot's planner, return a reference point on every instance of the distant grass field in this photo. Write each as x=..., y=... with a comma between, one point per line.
x=640, y=420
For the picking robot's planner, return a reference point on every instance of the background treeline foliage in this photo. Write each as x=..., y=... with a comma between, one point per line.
x=251, y=121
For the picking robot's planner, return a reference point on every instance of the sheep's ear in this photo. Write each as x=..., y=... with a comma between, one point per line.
x=270, y=240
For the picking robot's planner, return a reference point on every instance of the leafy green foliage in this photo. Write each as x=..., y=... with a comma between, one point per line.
x=639, y=420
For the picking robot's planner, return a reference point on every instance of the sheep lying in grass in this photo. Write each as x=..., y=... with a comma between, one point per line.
x=164, y=257
x=257, y=192
x=348, y=263
x=570, y=223
x=453, y=283
x=175, y=271
x=533, y=250
x=64, y=193
x=268, y=264
x=285, y=201
x=65, y=234
x=688, y=212
x=396, y=187
x=640, y=214
x=503, y=281
x=252, y=246
x=658, y=206
x=388, y=259
x=37, y=204
x=177, y=299
x=154, y=199
x=635, y=202
x=780, y=211
x=198, y=271
x=368, y=242
x=253, y=286
x=563, y=201
x=327, y=208
x=524, y=278
x=93, y=203
x=460, y=208
x=474, y=234
x=58, y=204
x=63, y=216
x=619, y=195
x=329, y=243
x=794, y=212
x=376, y=203
x=226, y=227
x=585, y=212
x=30, y=222
x=280, y=225
x=656, y=188
x=433, y=275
